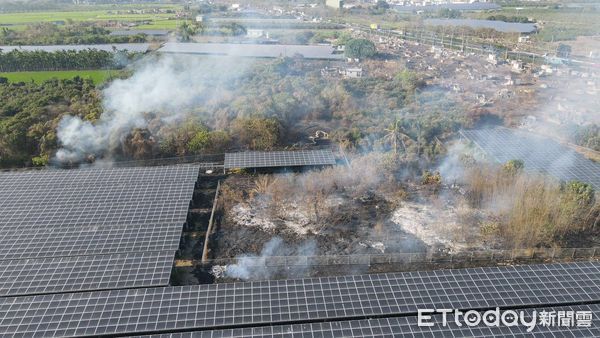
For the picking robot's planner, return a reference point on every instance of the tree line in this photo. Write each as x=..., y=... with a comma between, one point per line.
x=69, y=34
x=267, y=108
x=38, y=60
x=30, y=112
x=518, y=19
x=587, y=136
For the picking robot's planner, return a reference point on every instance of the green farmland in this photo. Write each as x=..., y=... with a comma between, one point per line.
x=98, y=76
x=19, y=20
x=556, y=23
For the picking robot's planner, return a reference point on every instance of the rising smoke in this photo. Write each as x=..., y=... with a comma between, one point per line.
x=168, y=87
x=252, y=267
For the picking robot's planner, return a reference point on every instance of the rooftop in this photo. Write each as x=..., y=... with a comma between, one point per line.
x=253, y=50
x=152, y=32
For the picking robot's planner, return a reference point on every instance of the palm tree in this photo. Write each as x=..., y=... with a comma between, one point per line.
x=395, y=134
x=186, y=31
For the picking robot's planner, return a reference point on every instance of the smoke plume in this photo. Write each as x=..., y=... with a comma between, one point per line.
x=256, y=267
x=167, y=87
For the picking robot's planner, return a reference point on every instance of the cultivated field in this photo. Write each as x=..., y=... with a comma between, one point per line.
x=82, y=13
x=556, y=24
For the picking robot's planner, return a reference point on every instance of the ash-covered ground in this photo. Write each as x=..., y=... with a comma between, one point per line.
x=368, y=208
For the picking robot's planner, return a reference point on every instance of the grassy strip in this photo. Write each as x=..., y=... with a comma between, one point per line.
x=98, y=76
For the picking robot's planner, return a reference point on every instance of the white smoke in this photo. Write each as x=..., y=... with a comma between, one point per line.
x=167, y=86
x=256, y=267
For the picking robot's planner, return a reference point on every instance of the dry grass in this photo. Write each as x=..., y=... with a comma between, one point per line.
x=533, y=210
x=315, y=196
x=262, y=184
x=312, y=190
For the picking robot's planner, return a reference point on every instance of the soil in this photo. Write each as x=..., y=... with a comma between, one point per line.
x=357, y=226
x=369, y=224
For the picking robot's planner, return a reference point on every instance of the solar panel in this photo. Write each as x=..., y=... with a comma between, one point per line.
x=406, y=327
x=266, y=159
x=103, y=176
x=93, y=240
x=82, y=213
x=77, y=273
x=115, y=194
x=85, y=214
x=538, y=153
x=96, y=197
x=271, y=302
x=91, y=229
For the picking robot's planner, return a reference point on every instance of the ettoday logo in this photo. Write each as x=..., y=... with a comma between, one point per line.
x=505, y=318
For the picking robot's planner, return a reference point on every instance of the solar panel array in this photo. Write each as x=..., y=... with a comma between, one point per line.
x=94, y=240
x=155, y=310
x=407, y=327
x=91, y=229
x=269, y=159
x=77, y=273
x=538, y=153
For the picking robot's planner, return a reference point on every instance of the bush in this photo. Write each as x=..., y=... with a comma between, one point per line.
x=257, y=133
x=360, y=49
x=410, y=81
x=304, y=37
x=199, y=142
x=430, y=178
x=513, y=167
x=580, y=193
x=40, y=161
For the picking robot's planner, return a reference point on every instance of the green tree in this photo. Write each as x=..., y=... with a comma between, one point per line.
x=304, y=37
x=219, y=141
x=257, y=133
x=588, y=136
x=187, y=30
x=382, y=4
x=199, y=142
x=410, y=81
x=236, y=29
x=448, y=13
x=360, y=49
x=29, y=113
x=396, y=135
x=563, y=51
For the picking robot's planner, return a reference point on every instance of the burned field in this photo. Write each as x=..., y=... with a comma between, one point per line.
x=336, y=225
x=372, y=207
x=340, y=222
x=373, y=212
